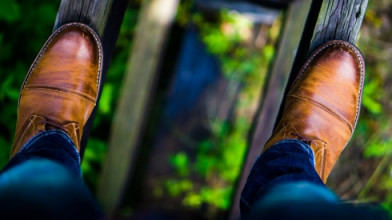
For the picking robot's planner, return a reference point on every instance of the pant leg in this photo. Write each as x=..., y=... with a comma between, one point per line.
x=286, y=161
x=54, y=145
x=283, y=184
x=43, y=181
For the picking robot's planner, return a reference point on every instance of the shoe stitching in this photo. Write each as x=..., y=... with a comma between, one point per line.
x=325, y=108
x=63, y=89
x=361, y=67
x=56, y=89
x=29, y=125
x=73, y=135
x=58, y=31
x=322, y=153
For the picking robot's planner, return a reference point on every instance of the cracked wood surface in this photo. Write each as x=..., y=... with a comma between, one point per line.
x=339, y=20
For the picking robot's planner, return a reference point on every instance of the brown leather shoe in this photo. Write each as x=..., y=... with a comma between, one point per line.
x=322, y=106
x=61, y=87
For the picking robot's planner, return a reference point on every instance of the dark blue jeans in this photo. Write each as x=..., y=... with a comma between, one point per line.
x=283, y=184
x=43, y=181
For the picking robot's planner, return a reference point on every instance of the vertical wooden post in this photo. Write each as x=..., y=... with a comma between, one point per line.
x=105, y=17
x=154, y=22
x=293, y=26
x=327, y=20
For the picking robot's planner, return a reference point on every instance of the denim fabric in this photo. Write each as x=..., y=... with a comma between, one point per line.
x=283, y=184
x=286, y=161
x=43, y=181
x=53, y=144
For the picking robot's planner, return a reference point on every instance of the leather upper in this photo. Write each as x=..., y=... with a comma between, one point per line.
x=62, y=85
x=322, y=106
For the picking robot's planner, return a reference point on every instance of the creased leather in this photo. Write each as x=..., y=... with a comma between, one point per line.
x=322, y=106
x=61, y=88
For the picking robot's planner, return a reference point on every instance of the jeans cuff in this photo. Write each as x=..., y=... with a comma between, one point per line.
x=285, y=161
x=54, y=145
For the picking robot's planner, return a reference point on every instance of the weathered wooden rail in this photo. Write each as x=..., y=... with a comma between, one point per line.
x=154, y=22
x=326, y=20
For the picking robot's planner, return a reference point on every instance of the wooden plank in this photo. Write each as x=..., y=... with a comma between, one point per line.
x=295, y=20
x=92, y=13
x=154, y=21
x=327, y=20
x=338, y=20
x=105, y=17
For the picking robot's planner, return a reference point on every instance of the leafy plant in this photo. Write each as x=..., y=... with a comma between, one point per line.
x=219, y=158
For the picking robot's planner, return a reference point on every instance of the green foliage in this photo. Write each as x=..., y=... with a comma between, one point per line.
x=387, y=204
x=94, y=154
x=106, y=99
x=371, y=97
x=9, y=11
x=373, y=132
x=218, y=160
x=20, y=41
x=181, y=162
x=176, y=187
x=378, y=148
x=219, y=197
x=4, y=156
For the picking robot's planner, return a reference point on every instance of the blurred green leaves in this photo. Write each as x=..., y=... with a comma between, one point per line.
x=379, y=148
x=20, y=41
x=94, y=155
x=5, y=152
x=105, y=102
x=8, y=89
x=25, y=26
x=180, y=162
x=218, y=160
x=371, y=97
x=9, y=10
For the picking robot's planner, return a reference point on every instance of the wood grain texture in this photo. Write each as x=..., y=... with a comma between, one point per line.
x=273, y=94
x=91, y=12
x=339, y=20
x=153, y=25
x=105, y=17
